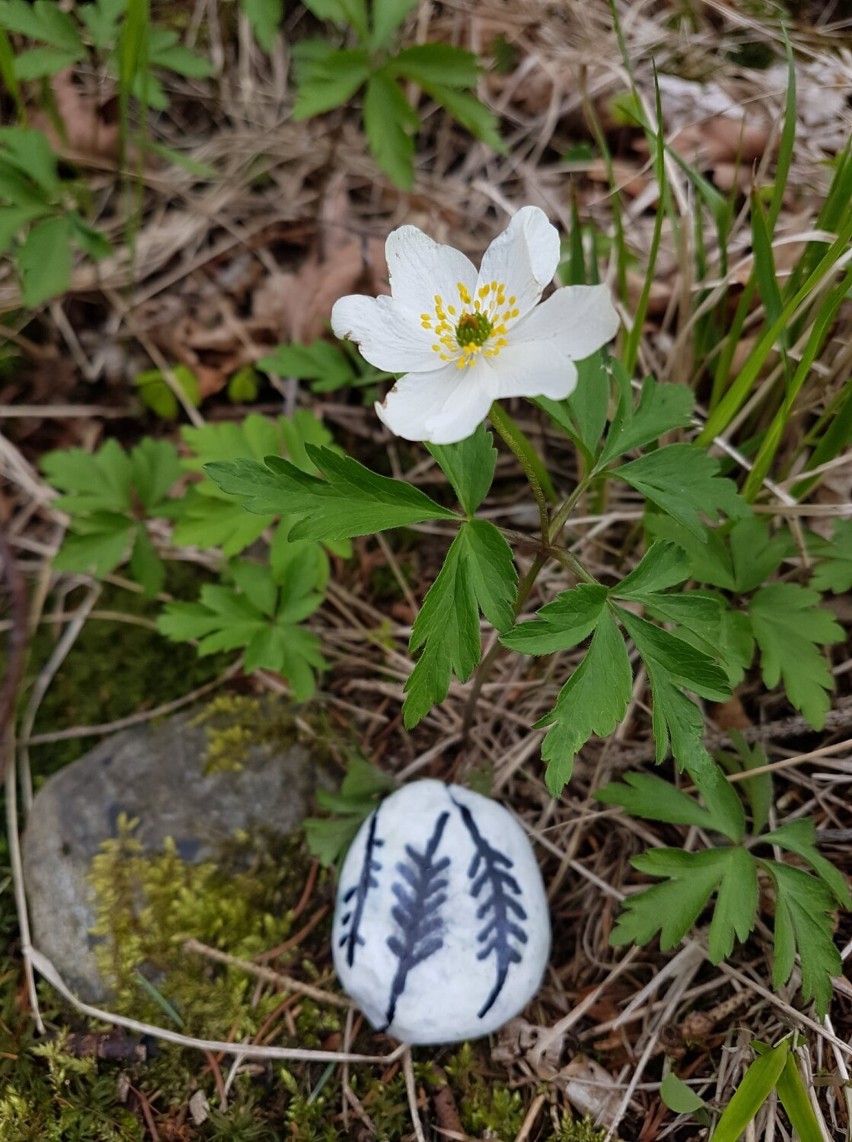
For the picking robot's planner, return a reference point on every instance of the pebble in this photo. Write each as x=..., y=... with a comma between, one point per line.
x=441, y=930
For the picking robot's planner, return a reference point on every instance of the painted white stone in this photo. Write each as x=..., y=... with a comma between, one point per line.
x=441, y=930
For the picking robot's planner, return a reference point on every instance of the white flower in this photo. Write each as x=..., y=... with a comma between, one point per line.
x=465, y=339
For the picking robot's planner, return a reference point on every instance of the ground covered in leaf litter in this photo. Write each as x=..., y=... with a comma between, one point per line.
x=224, y=270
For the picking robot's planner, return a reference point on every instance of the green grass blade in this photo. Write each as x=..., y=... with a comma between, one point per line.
x=739, y=391
x=751, y=1094
x=787, y=141
x=764, y=262
x=832, y=434
x=794, y=1099
x=816, y=339
x=656, y=141
x=7, y=71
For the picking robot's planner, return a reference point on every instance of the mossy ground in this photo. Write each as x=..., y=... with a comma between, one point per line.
x=243, y=903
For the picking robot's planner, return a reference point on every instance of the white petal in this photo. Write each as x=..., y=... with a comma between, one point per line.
x=577, y=319
x=536, y=369
x=524, y=257
x=420, y=268
x=442, y=407
x=388, y=337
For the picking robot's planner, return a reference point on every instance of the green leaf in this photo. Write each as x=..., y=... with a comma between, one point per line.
x=207, y=521
x=755, y=1088
x=592, y=701
x=319, y=361
x=327, y=10
x=96, y=546
x=755, y=552
x=800, y=837
x=43, y=20
x=478, y=575
x=677, y=719
x=589, y=402
x=697, y=613
x=673, y=907
x=646, y=795
x=363, y=781
x=265, y=18
x=469, y=466
x=243, y=385
x=443, y=64
x=492, y=572
x=90, y=240
x=790, y=626
x=709, y=554
x=156, y=468
x=682, y=480
x=583, y=415
x=833, y=571
x=146, y=567
x=329, y=81
x=329, y=838
x=300, y=433
x=102, y=21
x=661, y=408
x=387, y=16
x=705, y=620
x=350, y=501
x=43, y=63
x=165, y=50
x=156, y=393
x=571, y=617
x=663, y=565
x=466, y=108
x=736, y=904
x=32, y=154
x=681, y=663
x=758, y=790
x=13, y=219
x=255, y=616
x=98, y=481
x=255, y=437
x=390, y=123
x=678, y=1097
x=361, y=789
x=44, y=260
x=803, y=922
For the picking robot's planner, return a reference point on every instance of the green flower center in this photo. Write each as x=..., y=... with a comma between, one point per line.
x=473, y=329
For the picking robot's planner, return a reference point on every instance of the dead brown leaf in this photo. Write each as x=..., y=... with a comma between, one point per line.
x=89, y=131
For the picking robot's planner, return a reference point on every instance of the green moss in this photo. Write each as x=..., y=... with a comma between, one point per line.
x=114, y=669
x=575, y=1130
x=234, y=724
x=487, y=1108
x=147, y=905
x=64, y=1099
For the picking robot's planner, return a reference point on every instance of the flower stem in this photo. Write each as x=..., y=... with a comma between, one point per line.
x=503, y=427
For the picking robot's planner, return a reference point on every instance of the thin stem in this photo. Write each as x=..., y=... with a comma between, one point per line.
x=503, y=427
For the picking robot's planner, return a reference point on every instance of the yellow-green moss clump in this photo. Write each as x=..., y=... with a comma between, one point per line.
x=148, y=905
x=234, y=724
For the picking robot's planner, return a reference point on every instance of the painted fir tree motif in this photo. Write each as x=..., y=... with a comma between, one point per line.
x=501, y=911
x=420, y=894
x=357, y=894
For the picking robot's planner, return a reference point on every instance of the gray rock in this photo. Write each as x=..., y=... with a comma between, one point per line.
x=441, y=930
x=154, y=774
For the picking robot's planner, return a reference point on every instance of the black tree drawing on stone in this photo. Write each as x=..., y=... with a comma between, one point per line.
x=502, y=913
x=420, y=896
x=352, y=938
